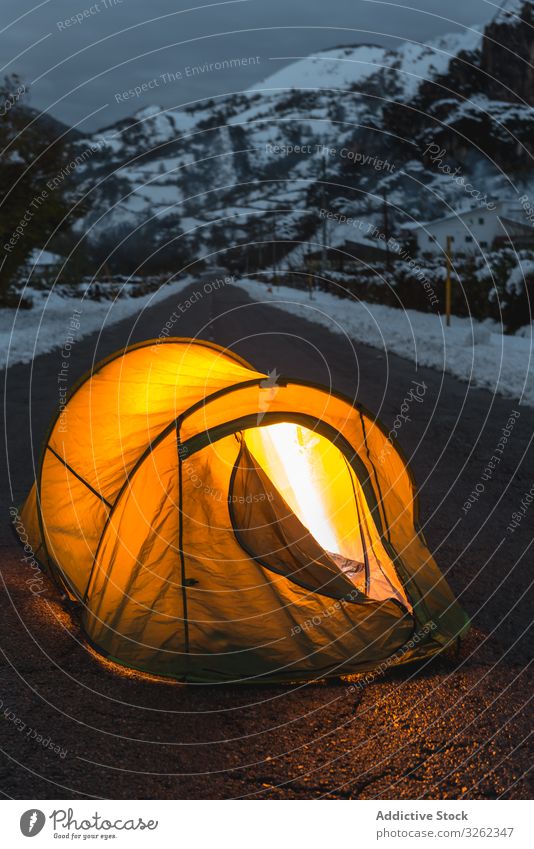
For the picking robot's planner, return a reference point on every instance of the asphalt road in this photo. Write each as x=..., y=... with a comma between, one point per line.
x=75, y=727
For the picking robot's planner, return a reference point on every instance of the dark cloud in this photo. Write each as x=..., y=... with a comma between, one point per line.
x=77, y=67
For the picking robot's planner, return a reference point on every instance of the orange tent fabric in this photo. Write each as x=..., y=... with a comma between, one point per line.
x=215, y=525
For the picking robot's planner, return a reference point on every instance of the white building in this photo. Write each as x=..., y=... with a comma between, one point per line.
x=472, y=229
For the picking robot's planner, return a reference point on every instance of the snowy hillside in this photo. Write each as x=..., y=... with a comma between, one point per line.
x=340, y=68
x=346, y=67
x=248, y=166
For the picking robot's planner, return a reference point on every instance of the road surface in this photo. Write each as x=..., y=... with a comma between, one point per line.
x=75, y=727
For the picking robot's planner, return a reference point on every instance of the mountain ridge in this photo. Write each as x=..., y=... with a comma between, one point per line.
x=214, y=162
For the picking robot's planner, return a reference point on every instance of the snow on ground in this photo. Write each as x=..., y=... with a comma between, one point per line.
x=470, y=350
x=24, y=334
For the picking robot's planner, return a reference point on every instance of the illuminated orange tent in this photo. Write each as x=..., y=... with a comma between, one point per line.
x=217, y=524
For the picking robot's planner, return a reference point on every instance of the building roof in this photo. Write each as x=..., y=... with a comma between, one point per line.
x=412, y=225
x=473, y=210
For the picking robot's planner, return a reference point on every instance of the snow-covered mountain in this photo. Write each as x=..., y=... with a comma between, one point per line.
x=334, y=130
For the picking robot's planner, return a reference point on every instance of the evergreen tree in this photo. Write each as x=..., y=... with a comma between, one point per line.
x=37, y=180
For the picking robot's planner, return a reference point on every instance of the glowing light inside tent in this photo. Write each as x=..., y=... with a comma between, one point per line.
x=287, y=453
x=312, y=475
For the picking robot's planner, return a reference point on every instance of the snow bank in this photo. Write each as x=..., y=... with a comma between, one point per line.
x=24, y=334
x=470, y=350
x=516, y=279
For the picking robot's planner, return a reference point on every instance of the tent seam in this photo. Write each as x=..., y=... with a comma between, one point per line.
x=79, y=477
x=181, y=537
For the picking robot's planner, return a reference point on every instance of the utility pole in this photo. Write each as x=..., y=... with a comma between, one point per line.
x=263, y=233
x=323, y=201
x=275, y=263
x=259, y=245
x=386, y=228
x=448, y=282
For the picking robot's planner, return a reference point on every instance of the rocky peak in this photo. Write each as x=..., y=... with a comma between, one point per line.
x=507, y=54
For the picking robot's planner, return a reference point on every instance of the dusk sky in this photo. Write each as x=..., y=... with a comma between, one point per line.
x=76, y=69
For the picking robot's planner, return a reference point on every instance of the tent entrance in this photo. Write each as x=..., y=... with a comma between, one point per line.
x=312, y=476
x=297, y=505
